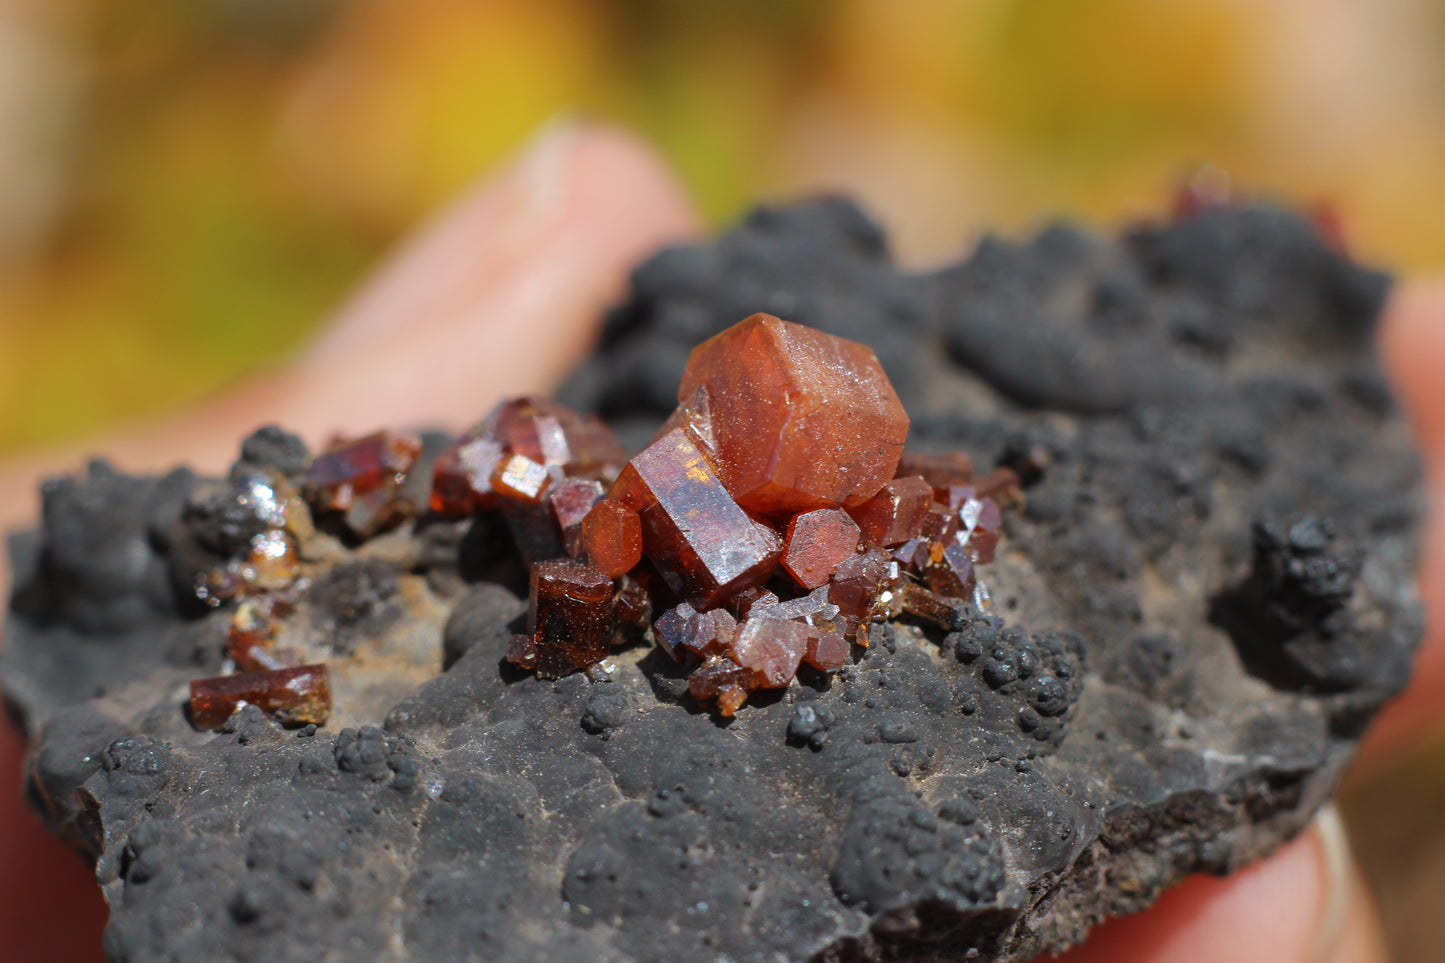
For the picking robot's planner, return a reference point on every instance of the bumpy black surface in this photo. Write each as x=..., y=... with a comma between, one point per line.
x=1203, y=602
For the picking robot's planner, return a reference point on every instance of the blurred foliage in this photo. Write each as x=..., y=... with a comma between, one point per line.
x=187, y=186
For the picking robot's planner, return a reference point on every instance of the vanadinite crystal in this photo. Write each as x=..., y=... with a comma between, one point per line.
x=362, y=480
x=705, y=545
x=517, y=450
x=295, y=696
x=612, y=538
x=817, y=543
x=569, y=620
x=795, y=419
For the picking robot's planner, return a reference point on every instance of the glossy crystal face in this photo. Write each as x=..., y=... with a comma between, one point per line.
x=794, y=419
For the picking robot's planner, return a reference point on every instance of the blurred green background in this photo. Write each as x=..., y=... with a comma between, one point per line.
x=187, y=186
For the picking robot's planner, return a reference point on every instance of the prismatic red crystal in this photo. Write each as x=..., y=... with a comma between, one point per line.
x=463, y=476
x=569, y=618
x=702, y=542
x=771, y=648
x=722, y=679
x=827, y=651
x=896, y=513
x=817, y=542
x=612, y=538
x=940, y=471
x=571, y=499
x=251, y=637
x=795, y=419
x=520, y=479
x=859, y=581
x=294, y=696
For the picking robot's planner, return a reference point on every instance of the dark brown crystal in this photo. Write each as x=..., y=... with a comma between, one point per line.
x=294, y=696
x=569, y=616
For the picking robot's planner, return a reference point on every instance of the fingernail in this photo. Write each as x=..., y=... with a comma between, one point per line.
x=539, y=179
x=1337, y=865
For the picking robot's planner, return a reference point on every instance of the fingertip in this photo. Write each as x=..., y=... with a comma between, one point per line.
x=1412, y=345
x=1269, y=911
x=50, y=906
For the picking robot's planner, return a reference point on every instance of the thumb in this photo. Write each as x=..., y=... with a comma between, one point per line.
x=1304, y=904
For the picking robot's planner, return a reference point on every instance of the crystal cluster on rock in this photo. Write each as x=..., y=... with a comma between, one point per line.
x=1205, y=599
x=354, y=488
x=768, y=521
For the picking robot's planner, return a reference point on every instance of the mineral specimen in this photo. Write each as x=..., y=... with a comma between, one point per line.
x=825, y=419
x=294, y=696
x=1210, y=508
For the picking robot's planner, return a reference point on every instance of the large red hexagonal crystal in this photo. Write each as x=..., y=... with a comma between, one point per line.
x=793, y=418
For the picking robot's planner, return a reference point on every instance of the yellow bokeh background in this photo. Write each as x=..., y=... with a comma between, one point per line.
x=187, y=186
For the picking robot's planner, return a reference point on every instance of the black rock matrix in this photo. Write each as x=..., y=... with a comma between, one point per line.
x=1204, y=599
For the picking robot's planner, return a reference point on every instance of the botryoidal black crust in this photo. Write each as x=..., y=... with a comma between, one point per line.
x=1205, y=598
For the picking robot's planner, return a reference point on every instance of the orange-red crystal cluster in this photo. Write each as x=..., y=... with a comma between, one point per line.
x=770, y=519
x=773, y=516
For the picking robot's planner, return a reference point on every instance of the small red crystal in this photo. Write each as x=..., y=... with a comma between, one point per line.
x=295, y=696
x=730, y=699
x=612, y=538
x=827, y=652
x=980, y=520
x=543, y=433
x=673, y=629
x=817, y=542
x=462, y=478
x=896, y=513
x=859, y=581
x=519, y=478
x=720, y=673
x=940, y=471
x=570, y=500
x=795, y=418
x=771, y=648
x=952, y=572
x=251, y=637
x=351, y=468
